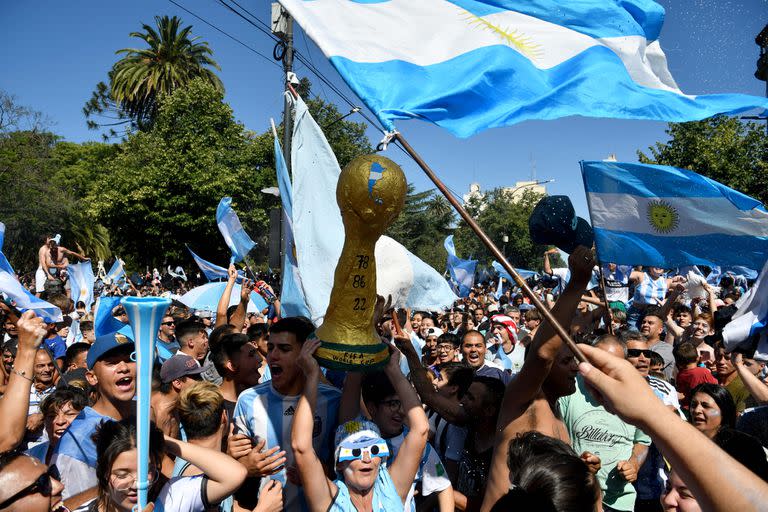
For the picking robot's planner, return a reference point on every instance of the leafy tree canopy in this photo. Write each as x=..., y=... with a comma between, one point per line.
x=722, y=148
x=172, y=59
x=499, y=215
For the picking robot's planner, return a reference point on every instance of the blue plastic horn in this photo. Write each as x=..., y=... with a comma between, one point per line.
x=145, y=315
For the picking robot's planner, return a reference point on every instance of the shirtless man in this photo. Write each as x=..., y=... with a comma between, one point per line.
x=51, y=257
x=549, y=372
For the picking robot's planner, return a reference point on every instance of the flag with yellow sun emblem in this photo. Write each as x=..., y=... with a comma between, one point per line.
x=667, y=217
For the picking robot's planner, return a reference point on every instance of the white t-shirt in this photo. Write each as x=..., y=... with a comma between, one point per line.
x=431, y=473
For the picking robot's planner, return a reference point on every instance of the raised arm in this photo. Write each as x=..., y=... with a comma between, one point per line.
x=547, y=264
x=547, y=343
x=221, y=308
x=349, y=406
x=224, y=473
x=527, y=385
x=754, y=385
x=14, y=404
x=403, y=469
x=318, y=489
x=449, y=409
x=238, y=317
x=717, y=481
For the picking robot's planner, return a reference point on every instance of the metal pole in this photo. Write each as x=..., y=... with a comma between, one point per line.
x=494, y=250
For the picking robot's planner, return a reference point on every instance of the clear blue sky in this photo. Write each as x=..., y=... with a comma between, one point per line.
x=55, y=52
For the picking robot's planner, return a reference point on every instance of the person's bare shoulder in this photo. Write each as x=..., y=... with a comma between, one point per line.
x=538, y=416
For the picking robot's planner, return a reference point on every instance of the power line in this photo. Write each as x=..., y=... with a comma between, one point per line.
x=225, y=33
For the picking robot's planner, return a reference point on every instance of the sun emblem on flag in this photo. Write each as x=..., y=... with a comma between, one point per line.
x=509, y=36
x=662, y=216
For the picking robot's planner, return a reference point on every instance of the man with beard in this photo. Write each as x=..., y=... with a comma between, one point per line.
x=549, y=372
x=112, y=371
x=652, y=327
x=473, y=349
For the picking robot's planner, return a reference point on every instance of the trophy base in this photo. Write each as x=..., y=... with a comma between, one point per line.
x=352, y=358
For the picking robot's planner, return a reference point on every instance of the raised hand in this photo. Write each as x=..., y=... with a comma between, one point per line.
x=581, y=262
x=31, y=330
x=618, y=386
x=306, y=359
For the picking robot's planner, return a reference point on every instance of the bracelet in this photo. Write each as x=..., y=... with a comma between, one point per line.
x=22, y=375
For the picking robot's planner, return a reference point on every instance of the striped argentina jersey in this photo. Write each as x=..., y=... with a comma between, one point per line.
x=263, y=413
x=651, y=291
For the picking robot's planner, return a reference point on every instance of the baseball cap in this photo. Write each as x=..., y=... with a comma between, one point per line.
x=104, y=344
x=178, y=366
x=434, y=331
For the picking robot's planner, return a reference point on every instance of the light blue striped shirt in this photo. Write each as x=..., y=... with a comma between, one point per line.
x=263, y=413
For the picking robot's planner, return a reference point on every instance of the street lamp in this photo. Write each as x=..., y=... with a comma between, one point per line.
x=505, y=239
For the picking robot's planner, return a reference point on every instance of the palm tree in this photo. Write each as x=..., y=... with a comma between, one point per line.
x=173, y=59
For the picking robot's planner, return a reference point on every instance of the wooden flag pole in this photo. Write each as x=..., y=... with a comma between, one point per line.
x=608, y=314
x=492, y=247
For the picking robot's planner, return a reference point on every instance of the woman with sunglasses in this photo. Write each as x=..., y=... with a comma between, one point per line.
x=117, y=473
x=364, y=480
x=28, y=485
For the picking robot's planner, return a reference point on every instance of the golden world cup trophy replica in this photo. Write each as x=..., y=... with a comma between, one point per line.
x=371, y=193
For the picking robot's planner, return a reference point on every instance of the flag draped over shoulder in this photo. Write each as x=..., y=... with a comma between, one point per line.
x=81, y=280
x=462, y=271
x=668, y=217
x=469, y=65
x=292, y=300
x=751, y=317
x=234, y=235
x=319, y=232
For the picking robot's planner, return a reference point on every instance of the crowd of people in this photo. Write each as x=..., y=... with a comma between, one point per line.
x=482, y=406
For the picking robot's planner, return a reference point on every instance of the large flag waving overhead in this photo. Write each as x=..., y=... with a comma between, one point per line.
x=462, y=271
x=668, y=217
x=234, y=235
x=319, y=232
x=292, y=299
x=468, y=65
x=81, y=281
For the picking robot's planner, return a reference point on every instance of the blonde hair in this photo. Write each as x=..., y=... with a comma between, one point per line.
x=199, y=407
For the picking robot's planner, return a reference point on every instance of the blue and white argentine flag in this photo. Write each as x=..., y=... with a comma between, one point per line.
x=462, y=271
x=234, y=235
x=81, y=280
x=668, y=217
x=468, y=65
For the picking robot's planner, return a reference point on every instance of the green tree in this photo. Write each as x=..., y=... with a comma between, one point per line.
x=722, y=148
x=171, y=60
x=498, y=215
x=427, y=218
x=161, y=190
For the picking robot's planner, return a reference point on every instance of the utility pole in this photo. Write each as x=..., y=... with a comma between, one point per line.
x=282, y=27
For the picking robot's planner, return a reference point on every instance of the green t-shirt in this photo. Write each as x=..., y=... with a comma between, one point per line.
x=593, y=429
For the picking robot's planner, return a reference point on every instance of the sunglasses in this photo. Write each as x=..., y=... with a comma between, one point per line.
x=378, y=449
x=43, y=485
x=636, y=352
x=168, y=323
